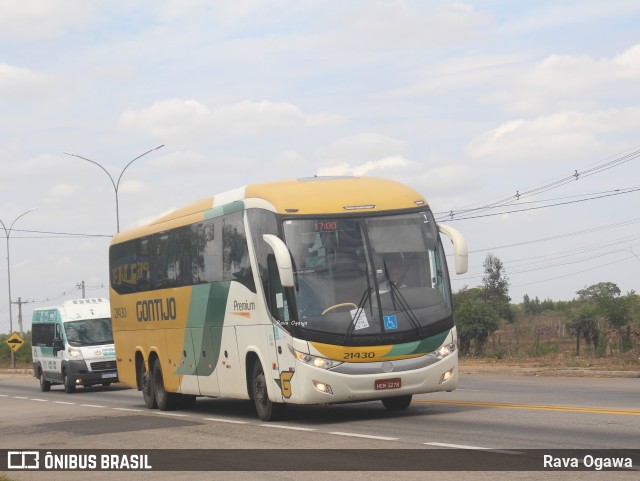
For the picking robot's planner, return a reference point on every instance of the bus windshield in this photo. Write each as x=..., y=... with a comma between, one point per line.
x=366, y=277
x=89, y=332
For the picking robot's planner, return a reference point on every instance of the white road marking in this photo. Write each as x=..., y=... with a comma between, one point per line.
x=367, y=436
x=127, y=409
x=92, y=406
x=280, y=426
x=41, y=400
x=63, y=402
x=19, y=397
x=172, y=414
x=230, y=421
x=458, y=446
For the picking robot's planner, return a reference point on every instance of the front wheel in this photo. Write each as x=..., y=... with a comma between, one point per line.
x=267, y=410
x=44, y=384
x=397, y=403
x=166, y=401
x=69, y=386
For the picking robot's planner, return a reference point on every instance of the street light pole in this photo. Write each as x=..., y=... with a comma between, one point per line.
x=116, y=184
x=7, y=234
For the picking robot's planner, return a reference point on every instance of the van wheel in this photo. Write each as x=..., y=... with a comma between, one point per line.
x=397, y=403
x=267, y=410
x=147, y=388
x=44, y=384
x=69, y=386
x=167, y=401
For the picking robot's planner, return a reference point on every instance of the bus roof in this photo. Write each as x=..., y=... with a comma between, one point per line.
x=304, y=196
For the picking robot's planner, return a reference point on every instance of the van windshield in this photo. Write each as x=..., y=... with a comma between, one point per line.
x=89, y=332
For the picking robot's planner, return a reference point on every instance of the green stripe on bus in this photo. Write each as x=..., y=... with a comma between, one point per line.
x=424, y=346
x=218, y=211
x=206, y=318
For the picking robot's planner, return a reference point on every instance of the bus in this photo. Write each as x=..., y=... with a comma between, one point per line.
x=315, y=290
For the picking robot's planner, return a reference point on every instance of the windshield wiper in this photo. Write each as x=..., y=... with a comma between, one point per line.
x=395, y=291
x=365, y=296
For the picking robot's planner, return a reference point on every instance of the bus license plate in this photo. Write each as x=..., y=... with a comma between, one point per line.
x=394, y=383
x=106, y=375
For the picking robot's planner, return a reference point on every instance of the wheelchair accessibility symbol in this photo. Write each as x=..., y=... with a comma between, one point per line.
x=391, y=322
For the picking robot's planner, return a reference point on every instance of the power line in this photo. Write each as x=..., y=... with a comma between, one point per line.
x=66, y=234
x=617, y=192
x=618, y=159
x=560, y=236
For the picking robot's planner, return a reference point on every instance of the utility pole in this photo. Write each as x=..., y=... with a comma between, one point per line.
x=81, y=287
x=20, y=302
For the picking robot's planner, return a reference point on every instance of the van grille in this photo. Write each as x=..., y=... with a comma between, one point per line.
x=103, y=366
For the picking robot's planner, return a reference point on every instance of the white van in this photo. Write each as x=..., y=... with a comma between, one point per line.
x=73, y=344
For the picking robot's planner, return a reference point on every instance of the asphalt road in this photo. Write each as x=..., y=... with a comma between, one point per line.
x=486, y=412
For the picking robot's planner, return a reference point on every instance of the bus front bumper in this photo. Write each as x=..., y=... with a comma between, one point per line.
x=318, y=386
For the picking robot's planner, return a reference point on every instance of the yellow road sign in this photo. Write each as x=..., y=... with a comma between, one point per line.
x=14, y=341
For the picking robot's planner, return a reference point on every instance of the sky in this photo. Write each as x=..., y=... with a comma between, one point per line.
x=518, y=121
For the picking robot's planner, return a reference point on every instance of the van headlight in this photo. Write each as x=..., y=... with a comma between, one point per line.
x=75, y=353
x=444, y=350
x=316, y=361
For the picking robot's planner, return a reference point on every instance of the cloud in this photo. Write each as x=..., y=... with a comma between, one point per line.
x=375, y=167
x=395, y=24
x=362, y=147
x=569, y=82
x=167, y=119
x=181, y=119
x=20, y=82
x=35, y=19
x=61, y=192
x=550, y=138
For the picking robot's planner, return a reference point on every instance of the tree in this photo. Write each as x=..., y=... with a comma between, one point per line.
x=583, y=323
x=496, y=285
x=610, y=307
x=475, y=318
x=600, y=306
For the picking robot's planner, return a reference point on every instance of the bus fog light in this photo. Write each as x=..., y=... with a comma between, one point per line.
x=446, y=376
x=322, y=387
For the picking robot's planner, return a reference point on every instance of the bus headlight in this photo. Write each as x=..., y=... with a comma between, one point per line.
x=316, y=361
x=444, y=350
x=75, y=353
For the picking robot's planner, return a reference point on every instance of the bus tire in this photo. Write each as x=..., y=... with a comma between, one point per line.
x=45, y=385
x=267, y=410
x=166, y=401
x=146, y=386
x=69, y=386
x=397, y=403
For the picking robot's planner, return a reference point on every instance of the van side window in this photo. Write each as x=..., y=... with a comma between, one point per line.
x=43, y=335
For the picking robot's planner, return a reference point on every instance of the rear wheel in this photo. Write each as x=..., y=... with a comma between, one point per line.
x=397, y=403
x=267, y=410
x=167, y=401
x=69, y=386
x=44, y=384
x=146, y=380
